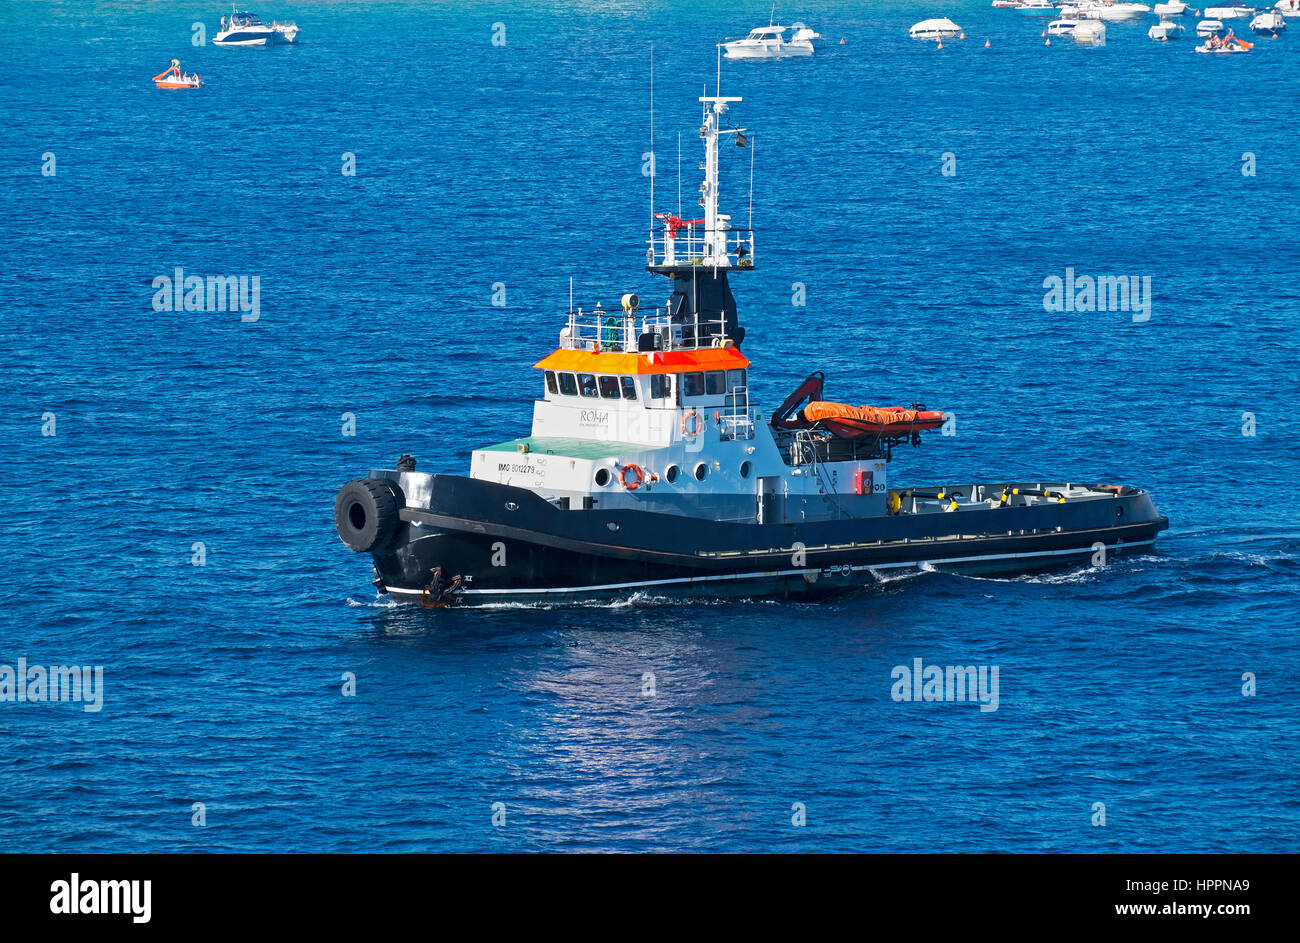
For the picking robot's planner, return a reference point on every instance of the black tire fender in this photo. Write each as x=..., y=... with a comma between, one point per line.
x=366, y=514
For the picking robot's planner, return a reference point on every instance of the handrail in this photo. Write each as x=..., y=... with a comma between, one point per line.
x=681, y=243
x=600, y=329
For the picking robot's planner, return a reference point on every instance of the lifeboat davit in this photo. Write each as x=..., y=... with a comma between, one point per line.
x=853, y=422
x=172, y=77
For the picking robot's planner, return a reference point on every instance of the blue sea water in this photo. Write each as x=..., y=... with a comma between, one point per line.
x=521, y=164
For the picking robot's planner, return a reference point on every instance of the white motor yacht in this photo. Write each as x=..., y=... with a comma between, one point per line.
x=247, y=29
x=1210, y=28
x=1230, y=10
x=941, y=28
x=1288, y=8
x=1269, y=23
x=1115, y=12
x=1171, y=8
x=767, y=42
x=1063, y=27
x=1166, y=29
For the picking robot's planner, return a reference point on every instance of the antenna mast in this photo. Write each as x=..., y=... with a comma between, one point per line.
x=715, y=239
x=653, y=168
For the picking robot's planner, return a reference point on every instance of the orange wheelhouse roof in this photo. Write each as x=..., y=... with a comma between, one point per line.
x=673, y=361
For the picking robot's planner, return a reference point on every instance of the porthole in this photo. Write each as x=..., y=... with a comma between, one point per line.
x=745, y=469
x=602, y=476
x=701, y=471
x=671, y=475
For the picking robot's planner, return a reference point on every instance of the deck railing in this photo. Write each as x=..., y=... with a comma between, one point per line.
x=634, y=332
x=694, y=245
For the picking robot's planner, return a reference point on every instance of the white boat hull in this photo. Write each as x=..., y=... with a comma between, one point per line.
x=1091, y=33
x=1162, y=32
x=1268, y=24
x=1117, y=13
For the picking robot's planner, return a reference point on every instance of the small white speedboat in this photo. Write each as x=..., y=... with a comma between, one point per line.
x=1210, y=28
x=1270, y=23
x=1230, y=10
x=1166, y=30
x=766, y=42
x=1288, y=7
x=1171, y=8
x=1090, y=33
x=1062, y=27
x=942, y=28
x=1038, y=8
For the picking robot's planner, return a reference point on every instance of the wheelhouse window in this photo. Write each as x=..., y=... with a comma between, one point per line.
x=661, y=386
x=609, y=388
x=551, y=383
x=693, y=384
x=587, y=384
x=735, y=380
x=568, y=385
x=715, y=382
x=629, y=387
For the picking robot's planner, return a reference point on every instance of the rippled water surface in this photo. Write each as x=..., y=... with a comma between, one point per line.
x=521, y=164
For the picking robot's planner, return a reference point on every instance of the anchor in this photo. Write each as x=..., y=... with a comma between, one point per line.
x=437, y=596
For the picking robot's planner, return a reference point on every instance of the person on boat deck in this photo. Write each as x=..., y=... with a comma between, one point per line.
x=223, y=24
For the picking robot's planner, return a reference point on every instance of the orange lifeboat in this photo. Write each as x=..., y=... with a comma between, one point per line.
x=805, y=408
x=853, y=422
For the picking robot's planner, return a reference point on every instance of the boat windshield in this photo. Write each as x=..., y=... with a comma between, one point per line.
x=245, y=19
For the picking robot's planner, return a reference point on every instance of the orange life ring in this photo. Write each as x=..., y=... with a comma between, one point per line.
x=696, y=428
x=631, y=485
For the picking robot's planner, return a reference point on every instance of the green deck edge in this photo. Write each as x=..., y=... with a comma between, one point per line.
x=588, y=449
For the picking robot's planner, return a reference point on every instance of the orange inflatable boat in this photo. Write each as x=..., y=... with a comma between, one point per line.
x=854, y=421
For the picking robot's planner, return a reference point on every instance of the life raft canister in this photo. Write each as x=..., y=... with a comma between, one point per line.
x=638, y=479
x=692, y=423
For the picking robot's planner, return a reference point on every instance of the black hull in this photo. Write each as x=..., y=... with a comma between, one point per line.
x=470, y=542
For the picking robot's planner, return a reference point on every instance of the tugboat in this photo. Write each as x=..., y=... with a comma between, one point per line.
x=650, y=471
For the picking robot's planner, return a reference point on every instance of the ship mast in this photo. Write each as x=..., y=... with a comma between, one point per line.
x=715, y=236
x=697, y=254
